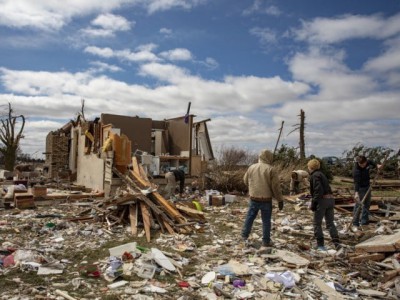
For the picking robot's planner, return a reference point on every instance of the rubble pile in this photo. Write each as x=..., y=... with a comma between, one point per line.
x=89, y=250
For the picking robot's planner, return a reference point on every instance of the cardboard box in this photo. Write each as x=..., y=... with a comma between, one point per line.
x=39, y=191
x=216, y=200
x=24, y=201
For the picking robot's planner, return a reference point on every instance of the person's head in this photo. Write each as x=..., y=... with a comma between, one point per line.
x=362, y=161
x=265, y=156
x=313, y=165
x=294, y=175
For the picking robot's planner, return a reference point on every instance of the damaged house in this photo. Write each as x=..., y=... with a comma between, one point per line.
x=86, y=151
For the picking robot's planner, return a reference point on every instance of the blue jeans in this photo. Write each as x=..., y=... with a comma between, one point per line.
x=266, y=212
x=365, y=208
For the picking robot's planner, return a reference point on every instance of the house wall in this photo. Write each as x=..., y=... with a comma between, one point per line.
x=179, y=135
x=138, y=130
x=90, y=168
x=57, y=153
x=73, y=150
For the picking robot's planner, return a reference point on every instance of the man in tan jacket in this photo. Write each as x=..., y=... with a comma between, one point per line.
x=262, y=180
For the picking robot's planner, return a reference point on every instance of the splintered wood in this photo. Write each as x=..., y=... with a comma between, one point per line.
x=142, y=205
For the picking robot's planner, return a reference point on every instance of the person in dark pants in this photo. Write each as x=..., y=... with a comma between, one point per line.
x=262, y=180
x=322, y=204
x=362, y=187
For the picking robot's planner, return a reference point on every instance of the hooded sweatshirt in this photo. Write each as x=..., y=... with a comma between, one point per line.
x=262, y=179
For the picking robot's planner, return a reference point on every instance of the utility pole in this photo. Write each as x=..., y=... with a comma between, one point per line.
x=302, y=143
x=301, y=128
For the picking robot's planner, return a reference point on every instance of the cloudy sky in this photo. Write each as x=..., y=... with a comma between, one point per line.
x=246, y=64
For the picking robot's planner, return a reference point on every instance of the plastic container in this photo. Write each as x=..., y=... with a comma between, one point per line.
x=230, y=198
x=147, y=271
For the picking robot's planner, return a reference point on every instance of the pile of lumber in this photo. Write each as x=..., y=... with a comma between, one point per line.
x=142, y=204
x=379, y=258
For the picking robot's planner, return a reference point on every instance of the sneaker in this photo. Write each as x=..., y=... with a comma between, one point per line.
x=321, y=249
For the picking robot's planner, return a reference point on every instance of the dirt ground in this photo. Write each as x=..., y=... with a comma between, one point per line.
x=211, y=262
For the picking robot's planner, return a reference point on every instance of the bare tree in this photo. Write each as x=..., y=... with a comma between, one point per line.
x=9, y=138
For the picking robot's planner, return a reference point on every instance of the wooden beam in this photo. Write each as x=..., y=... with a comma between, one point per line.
x=366, y=257
x=133, y=217
x=146, y=220
x=170, y=209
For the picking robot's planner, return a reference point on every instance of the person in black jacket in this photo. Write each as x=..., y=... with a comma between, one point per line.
x=172, y=177
x=322, y=204
x=361, y=187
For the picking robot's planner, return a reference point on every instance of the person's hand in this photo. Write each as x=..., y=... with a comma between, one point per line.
x=356, y=197
x=314, y=205
x=379, y=166
x=280, y=205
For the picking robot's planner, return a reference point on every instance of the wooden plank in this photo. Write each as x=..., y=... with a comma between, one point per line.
x=190, y=211
x=160, y=222
x=343, y=210
x=146, y=220
x=380, y=243
x=170, y=209
x=168, y=227
x=366, y=257
x=388, y=275
x=327, y=290
x=133, y=217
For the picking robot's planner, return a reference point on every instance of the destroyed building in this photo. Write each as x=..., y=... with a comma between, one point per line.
x=86, y=151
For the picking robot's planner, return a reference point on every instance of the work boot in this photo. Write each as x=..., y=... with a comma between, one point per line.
x=336, y=243
x=268, y=244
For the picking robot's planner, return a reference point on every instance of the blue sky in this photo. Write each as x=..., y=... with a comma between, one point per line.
x=246, y=64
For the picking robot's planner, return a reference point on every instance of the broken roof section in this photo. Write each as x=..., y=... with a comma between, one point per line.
x=86, y=151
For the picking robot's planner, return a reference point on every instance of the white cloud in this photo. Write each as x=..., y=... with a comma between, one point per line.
x=97, y=32
x=210, y=63
x=166, y=31
x=258, y=7
x=266, y=36
x=334, y=30
x=53, y=15
x=106, y=25
x=328, y=73
x=162, y=5
x=102, y=52
x=388, y=61
x=101, y=67
x=112, y=22
x=125, y=55
x=177, y=54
